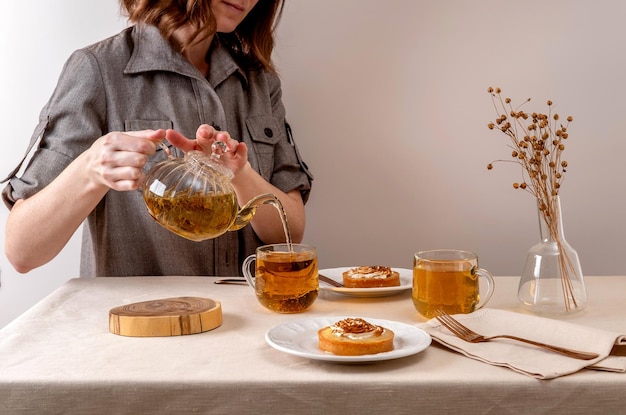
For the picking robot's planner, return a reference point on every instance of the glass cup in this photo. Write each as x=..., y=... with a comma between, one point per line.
x=285, y=281
x=447, y=279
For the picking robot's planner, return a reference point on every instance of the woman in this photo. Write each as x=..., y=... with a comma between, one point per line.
x=186, y=68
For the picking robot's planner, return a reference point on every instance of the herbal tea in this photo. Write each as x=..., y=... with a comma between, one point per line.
x=195, y=217
x=452, y=291
x=448, y=279
x=286, y=282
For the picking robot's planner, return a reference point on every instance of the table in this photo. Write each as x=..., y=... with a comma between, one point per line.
x=59, y=357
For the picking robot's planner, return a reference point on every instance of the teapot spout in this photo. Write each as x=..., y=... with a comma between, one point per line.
x=246, y=213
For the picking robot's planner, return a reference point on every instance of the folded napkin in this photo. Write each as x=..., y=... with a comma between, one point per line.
x=525, y=358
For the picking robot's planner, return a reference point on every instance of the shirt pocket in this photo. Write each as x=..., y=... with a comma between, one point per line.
x=139, y=125
x=265, y=132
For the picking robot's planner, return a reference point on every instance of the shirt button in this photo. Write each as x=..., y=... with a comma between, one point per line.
x=268, y=132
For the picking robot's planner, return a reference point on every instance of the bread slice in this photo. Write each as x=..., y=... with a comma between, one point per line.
x=371, y=277
x=355, y=337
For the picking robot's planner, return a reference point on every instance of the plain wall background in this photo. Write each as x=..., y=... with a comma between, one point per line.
x=389, y=105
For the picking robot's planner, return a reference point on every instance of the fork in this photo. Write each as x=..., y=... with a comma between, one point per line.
x=470, y=336
x=329, y=281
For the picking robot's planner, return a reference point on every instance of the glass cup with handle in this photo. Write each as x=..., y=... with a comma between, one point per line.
x=285, y=277
x=448, y=279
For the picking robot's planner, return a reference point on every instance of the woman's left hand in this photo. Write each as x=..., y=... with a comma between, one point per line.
x=235, y=158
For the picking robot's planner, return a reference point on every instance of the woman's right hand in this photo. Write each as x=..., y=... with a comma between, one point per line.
x=116, y=160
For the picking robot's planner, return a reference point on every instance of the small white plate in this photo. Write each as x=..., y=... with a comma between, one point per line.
x=299, y=338
x=406, y=281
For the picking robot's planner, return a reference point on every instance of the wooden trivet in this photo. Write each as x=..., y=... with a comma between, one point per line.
x=166, y=317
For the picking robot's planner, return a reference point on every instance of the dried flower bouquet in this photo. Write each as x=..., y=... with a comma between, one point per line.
x=538, y=141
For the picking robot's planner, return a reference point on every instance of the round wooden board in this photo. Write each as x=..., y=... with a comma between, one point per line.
x=166, y=317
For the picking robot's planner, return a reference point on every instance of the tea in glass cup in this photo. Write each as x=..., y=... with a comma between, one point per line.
x=448, y=279
x=285, y=278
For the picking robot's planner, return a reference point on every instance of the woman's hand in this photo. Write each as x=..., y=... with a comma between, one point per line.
x=117, y=159
x=114, y=161
x=235, y=158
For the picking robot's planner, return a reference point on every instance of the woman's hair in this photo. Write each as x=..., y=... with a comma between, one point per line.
x=251, y=42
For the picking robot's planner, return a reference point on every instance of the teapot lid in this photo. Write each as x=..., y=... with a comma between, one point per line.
x=213, y=161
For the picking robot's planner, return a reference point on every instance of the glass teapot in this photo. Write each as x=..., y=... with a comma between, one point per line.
x=192, y=195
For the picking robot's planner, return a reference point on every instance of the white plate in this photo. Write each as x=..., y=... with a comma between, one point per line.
x=406, y=281
x=299, y=338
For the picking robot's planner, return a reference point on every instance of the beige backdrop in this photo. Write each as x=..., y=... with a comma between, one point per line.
x=389, y=105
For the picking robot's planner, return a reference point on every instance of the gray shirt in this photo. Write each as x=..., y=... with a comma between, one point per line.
x=134, y=81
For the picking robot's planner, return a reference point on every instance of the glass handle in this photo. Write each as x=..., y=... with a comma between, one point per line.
x=484, y=298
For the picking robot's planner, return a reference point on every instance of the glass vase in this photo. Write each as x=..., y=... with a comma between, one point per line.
x=552, y=279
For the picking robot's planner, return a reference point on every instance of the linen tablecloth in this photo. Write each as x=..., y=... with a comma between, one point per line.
x=59, y=357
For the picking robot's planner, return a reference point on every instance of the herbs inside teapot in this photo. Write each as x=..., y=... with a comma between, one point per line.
x=193, y=197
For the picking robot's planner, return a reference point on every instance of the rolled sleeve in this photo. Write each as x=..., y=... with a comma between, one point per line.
x=68, y=124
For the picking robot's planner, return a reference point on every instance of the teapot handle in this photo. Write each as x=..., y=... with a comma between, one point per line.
x=164, y=148
x=145, y=168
